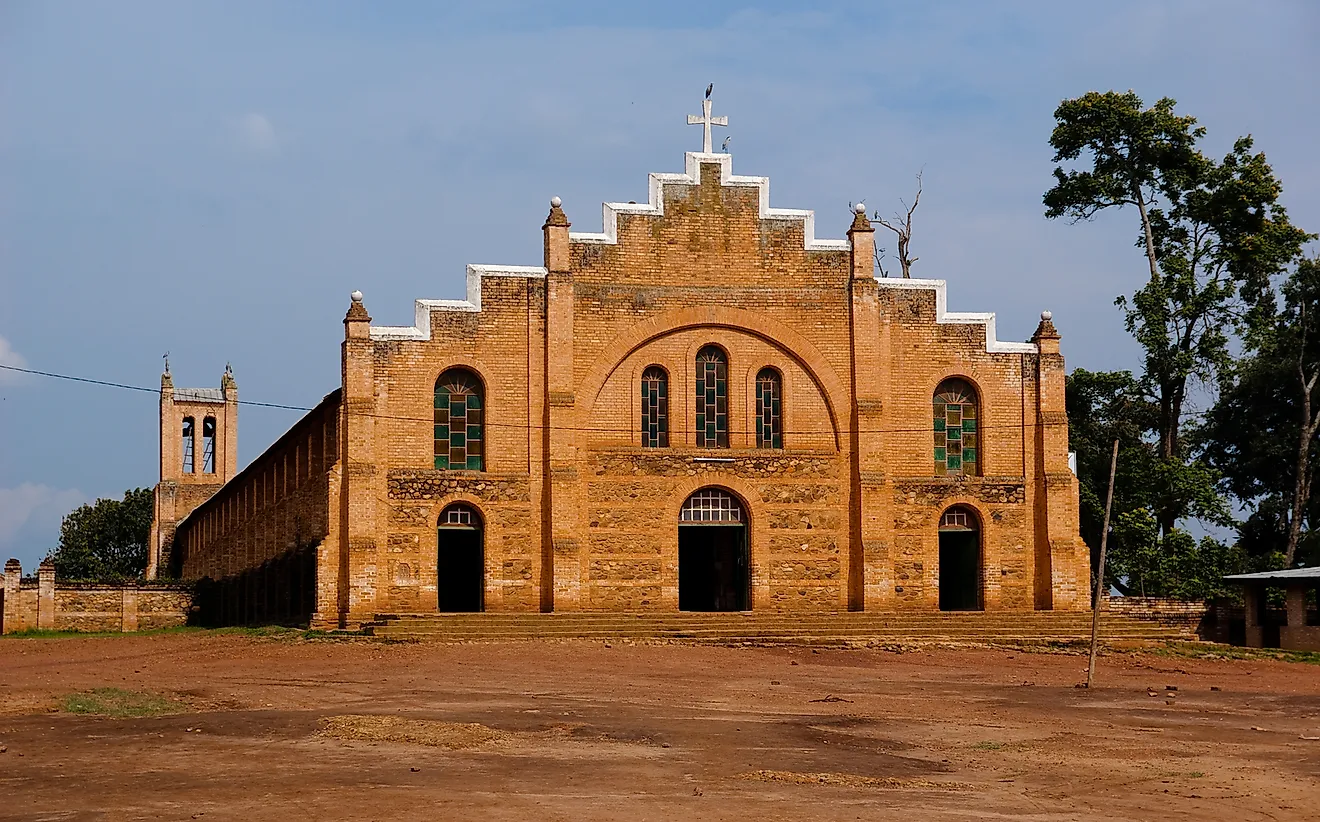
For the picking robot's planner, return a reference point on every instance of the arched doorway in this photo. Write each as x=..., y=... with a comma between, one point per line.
x=713, y=566
x=460, y=577
x=960, y=560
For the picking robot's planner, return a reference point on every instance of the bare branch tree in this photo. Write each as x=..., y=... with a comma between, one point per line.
x=902, y=227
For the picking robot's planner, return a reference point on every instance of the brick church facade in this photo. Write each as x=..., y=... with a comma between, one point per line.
x=703, y=407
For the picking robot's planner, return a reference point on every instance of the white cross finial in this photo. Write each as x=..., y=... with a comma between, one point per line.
x=706, y=120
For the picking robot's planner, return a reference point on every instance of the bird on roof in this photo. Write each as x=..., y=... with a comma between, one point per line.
x=725, y=146
x=709, y=89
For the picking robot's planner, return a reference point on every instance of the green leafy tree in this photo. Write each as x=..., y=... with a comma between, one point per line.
x=1213, y=233
x=106, y=539
x=1261, y=434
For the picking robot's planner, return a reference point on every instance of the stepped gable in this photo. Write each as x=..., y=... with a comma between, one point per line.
x=655, y=208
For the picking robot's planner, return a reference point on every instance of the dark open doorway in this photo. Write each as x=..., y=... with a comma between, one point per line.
x=460, y=561
x=960, y=561
x=713, y=566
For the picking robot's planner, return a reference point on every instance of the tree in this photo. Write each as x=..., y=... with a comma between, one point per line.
x=1213, y=235
x=107, y=539
x=1102, y=407
x=1261, y=433
x=902, y=228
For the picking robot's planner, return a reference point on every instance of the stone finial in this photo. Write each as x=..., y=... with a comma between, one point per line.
x=860, y=221
x=1046, y=329
x=556, y=216
x=357, y=312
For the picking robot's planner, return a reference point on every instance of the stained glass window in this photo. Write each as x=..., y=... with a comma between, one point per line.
x=712, y=398
x=459, y=430
x=655, y=408
x=769, y=413
x=957, y=450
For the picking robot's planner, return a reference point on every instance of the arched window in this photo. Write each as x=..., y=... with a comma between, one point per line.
x=208, y=445
x=459, y=428
x=957, y=446
x=655, y=408
x=188, y=445
x=769, y=415
x=712, y=398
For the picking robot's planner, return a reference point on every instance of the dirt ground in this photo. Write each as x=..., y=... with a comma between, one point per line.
x=312, y=730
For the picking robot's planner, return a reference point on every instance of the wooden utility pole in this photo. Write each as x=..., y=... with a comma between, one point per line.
x=1100, y=574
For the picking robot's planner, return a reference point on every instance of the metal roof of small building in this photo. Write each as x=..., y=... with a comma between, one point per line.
x=1289, y=575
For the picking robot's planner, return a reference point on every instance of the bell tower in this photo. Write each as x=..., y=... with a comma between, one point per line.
x=198, y=455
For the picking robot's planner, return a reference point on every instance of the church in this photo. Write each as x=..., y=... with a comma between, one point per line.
x=701, y=407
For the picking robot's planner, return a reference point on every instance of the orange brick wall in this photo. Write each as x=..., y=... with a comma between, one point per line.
x=578, y=516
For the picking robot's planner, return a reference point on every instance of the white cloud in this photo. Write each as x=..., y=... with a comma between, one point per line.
x=256, y=133
x=30, y=519
x=8, y=356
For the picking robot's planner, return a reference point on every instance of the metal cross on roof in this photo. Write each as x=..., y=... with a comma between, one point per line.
x=706, y=120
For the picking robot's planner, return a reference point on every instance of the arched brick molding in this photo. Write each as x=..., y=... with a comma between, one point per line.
x=777, y=334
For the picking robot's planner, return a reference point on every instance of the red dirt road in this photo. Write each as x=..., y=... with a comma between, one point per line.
x=662, y=732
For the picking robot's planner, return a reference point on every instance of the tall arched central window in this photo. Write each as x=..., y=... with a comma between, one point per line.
x=712, y=398
x=655, y=408
x=957, y=450
x=769, y=419
x=459, y=430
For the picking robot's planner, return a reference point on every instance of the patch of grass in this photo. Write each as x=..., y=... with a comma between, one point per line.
x=277, y=632
x=37, y=633
x=1206, y=650
x=118, y=703
x=988, y=746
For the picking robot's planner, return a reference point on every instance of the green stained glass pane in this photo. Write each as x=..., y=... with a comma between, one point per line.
x=473, y=432
x=969, y=425
x=457, y=440
x=955, y=463
x=940, y=455
x=954, y=434
x=473, y=462
x=473, y=401
x=939, y=423
x=442, y=462
x=442, y=432
x=969, y=455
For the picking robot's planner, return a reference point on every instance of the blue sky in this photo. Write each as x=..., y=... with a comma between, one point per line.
x=213, y=179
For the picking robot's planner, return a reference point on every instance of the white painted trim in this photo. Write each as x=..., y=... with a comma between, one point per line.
x=656, y=206
x=421, y=328
x=942, y=315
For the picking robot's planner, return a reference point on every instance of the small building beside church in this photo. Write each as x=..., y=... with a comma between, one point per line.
x=703, y=406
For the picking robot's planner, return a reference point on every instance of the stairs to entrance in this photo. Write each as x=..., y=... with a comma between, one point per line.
x=771, y=627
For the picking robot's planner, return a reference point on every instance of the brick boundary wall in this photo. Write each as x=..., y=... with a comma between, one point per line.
x=1210, y=621
x=82, y=606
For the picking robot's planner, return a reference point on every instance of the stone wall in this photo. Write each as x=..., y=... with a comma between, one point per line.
x=48, y=604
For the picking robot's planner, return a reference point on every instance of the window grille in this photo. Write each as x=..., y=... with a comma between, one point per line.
x=712, y=398
x=956, y=414
x=187, y=445
x=208, y=445
x=769, y=416
x=958, y=519
x=712, y=505
x=655, y=408
x=459, y=432
x=459, y=516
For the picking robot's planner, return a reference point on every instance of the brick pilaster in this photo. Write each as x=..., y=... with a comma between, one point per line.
x=869, y=575
x=359, y=553
x=567, y=552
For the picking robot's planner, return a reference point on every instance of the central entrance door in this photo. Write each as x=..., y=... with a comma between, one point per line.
x=960, y=560
x=713, y=566
x=460, y=562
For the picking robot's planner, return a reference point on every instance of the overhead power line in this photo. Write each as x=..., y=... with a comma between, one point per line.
x=526, y=426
